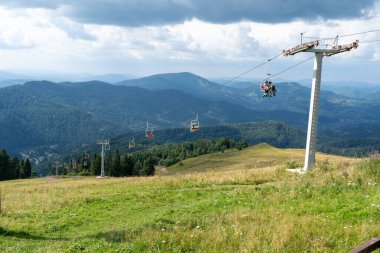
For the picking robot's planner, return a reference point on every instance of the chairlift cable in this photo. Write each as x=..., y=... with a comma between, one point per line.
x=293, y=66
x=256, y=67
x=370, y=31
x=245, y=72
x=342, y=36
x=319, y=38
x=271, y=59
x=369, y=41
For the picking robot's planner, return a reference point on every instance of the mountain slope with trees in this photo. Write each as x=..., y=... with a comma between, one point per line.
x=27, y=120
x=46, y=113
x=292, y=97
x=70, y=115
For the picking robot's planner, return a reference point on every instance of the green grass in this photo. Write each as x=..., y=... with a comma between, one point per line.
x=259, y=156
x=238, y=201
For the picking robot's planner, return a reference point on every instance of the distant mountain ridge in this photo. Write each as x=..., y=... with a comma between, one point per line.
x=291, y=98
x=27, y=120
x=42, y=113
x=185, y=81
x=47, y=113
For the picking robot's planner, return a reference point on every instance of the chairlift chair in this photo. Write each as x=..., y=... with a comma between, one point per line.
x=149, y=131
x=264, y=83
x=131, y=144
x=194, y=125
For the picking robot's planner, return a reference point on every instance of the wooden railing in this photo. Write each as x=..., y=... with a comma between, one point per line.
x=369, y=246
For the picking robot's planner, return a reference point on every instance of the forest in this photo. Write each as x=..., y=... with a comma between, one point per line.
x=142, y=163
x=13, y=168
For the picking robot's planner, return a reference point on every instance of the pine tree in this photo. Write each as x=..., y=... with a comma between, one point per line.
x=15, y=168
x=116, y=165
x=4, y=165
x=27, y=169
x=84, y=163
x=148, y=167
x=22, y=169
x=138, y=166
x=108, y=164
x=96, y=165
x=127, y=167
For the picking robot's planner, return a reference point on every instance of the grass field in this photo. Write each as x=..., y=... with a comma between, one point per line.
x=237, y=201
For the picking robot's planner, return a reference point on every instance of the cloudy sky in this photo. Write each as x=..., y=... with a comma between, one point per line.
x=211, y=38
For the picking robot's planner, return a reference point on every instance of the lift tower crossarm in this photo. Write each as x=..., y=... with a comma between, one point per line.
x=311, y=140
x=342, y=48
x=300, y=48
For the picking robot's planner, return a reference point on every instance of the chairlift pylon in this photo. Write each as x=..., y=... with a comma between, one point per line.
x=149, y=131
x=194, y=125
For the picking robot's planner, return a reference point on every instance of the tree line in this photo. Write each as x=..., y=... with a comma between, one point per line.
x=13, y=168
x=142, y=163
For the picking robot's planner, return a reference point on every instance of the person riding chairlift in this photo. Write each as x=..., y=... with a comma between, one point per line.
x=269, y=89
x=272, y=89
x=265, y=89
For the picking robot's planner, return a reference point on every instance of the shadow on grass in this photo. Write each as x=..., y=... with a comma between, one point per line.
x=127, y=235
x=25, y=235
x=113, y=236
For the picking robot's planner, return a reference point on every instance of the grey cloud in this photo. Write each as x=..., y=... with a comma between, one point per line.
x=158, y=12
x=31, y=4
x=75, y=31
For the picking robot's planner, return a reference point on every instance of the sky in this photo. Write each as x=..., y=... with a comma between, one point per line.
x=214, y=39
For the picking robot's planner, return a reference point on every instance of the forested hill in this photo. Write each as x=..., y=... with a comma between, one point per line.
x=28, y=120
x=292, y=99
x=67, y=116
x=46, y=113
x=272, y=132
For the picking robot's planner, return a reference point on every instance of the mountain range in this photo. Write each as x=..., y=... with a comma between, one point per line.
x=69, y=115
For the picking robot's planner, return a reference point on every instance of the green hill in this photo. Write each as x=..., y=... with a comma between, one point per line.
x=246, y=202
x=42, y=113
x=28, y=120
x=254, y=157
x=275, y=133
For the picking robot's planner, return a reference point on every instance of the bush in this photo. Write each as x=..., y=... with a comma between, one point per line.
x=324, y=166
x=293, y=165
x=371, y=168
x=84, y=173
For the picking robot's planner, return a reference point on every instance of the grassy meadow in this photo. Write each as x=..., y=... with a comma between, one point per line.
x=236, y=201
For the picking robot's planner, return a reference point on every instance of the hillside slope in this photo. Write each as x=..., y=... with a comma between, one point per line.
x=275, y=133
x=254, y=157
x=45, y=113
x=27, y=120
x=291, y=103
x=236, y=209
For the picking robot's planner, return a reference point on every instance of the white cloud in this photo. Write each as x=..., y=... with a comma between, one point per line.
x=40, y=39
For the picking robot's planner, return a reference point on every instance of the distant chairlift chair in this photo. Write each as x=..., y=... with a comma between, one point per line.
x=149, y=131
x=194, y=125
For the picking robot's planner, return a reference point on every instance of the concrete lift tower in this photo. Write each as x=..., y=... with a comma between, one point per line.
x=319, y=53
x=105, y=146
